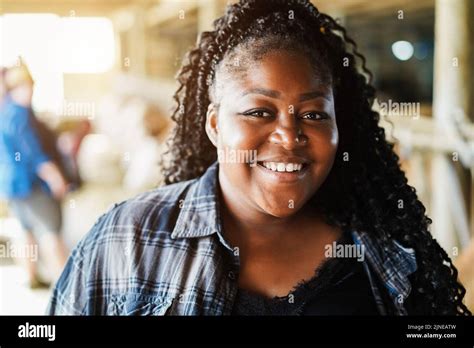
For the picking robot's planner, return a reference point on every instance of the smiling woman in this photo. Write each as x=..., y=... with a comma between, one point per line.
x=224, y=236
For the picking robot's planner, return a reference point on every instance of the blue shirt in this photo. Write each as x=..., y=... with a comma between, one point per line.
x=20, y=151
x=164, y=253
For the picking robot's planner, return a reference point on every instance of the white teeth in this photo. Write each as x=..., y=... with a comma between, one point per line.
x=283, y=167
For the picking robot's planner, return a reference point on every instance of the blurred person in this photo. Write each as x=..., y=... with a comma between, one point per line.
x=68, y=144
x=143, y=170
x=315, y=218
x=30, y=181
x=3, y=87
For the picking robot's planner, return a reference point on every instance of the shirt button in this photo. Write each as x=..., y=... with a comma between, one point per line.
x=231, y=275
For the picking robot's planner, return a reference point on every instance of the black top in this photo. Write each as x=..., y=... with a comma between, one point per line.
x=340, y=286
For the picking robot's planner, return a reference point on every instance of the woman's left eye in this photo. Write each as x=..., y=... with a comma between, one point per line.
x=315, y=116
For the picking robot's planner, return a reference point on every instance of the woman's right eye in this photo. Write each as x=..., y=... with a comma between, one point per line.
x=258, y=113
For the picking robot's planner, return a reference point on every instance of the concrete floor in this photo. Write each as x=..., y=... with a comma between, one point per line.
x=16, y=298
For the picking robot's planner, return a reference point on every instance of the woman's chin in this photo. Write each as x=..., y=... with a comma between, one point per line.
x=280, y=212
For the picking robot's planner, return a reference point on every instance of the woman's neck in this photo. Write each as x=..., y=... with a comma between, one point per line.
x=249, y=225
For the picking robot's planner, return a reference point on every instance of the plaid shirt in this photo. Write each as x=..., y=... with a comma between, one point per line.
x=164, y=253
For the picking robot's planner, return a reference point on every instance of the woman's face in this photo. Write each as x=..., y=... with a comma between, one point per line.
x=261, y=112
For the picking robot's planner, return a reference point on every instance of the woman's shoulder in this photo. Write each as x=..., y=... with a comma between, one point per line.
x=148, y=216
x=151, y=202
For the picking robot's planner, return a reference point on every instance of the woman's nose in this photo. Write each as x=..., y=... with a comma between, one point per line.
x=288, y=135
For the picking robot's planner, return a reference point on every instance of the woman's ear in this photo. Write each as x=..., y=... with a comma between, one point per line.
x=212, y=129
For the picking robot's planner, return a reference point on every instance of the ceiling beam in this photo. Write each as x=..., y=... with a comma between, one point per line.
x=69, y=7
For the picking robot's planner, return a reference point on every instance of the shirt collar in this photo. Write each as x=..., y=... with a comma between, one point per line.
x=199, y=215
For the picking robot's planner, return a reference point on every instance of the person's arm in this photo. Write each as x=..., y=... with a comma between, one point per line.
x=49, y=172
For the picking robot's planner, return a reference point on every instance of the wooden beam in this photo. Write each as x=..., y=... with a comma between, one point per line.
x=452, y=85
x=64, y=7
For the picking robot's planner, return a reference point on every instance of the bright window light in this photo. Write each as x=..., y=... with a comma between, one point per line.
x=402, y=50
x=52, y=46
x=86, y=45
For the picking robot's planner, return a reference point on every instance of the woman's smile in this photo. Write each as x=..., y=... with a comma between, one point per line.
x=283, y=169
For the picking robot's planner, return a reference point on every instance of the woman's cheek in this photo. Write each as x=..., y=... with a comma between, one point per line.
x=238, y=135
x=324, y=146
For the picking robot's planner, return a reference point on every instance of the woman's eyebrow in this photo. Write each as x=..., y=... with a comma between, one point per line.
x=314, y=95
x=266, y=92
x=275, y=94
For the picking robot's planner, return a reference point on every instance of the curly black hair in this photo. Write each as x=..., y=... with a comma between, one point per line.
x=366, y=189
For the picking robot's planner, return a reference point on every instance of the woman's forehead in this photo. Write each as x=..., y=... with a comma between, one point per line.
x=282, y=71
